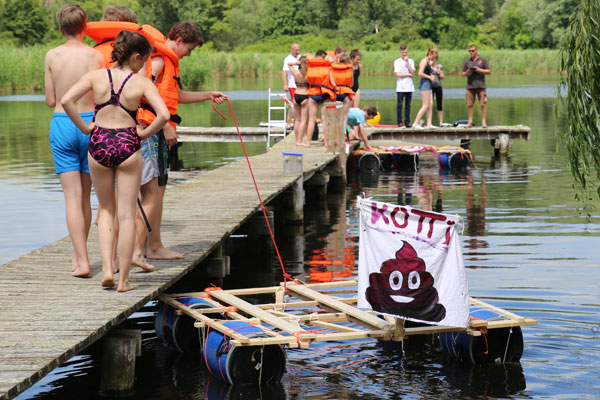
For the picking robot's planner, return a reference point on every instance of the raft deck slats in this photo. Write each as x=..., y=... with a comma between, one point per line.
x=328, y=302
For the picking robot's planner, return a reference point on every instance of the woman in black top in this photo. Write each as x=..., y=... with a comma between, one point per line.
x=355, y=57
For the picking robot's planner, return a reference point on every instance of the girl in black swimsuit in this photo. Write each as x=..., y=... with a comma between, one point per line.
x=300, y=100
x=114, y=149
x=355, y=57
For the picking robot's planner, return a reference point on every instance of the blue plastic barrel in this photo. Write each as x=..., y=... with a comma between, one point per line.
x=497, y=345
x=177, y=331
x=243, y=364
x=453, y=160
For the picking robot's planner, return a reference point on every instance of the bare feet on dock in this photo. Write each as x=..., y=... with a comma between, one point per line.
x=79, y=270
x=142, y=263
x=126, y=287
x=164, y=254
x=108, y=282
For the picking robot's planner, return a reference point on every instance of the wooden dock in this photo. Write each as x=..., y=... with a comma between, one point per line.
x=47, y=316
x=259, y=134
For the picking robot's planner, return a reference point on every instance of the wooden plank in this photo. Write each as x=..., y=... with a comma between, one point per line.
x=353, y=313
x=251, y=309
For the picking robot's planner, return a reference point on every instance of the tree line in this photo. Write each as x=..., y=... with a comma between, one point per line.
x=271, y=25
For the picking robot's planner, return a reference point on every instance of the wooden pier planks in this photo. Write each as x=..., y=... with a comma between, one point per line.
x=47, y=316
x=259, y=134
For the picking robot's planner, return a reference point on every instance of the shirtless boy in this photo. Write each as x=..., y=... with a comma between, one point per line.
x=64, y=65
x=183, y=37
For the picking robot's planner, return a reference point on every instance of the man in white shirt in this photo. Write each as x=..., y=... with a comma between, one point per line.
x=289, y=83
x=404, y=68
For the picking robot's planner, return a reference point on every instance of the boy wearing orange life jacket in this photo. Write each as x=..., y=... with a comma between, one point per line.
x=183, y=37
x=104, y=32
x=321, y=87
x=344, y=79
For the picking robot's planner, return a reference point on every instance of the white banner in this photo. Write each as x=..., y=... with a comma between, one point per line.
x=410, y=264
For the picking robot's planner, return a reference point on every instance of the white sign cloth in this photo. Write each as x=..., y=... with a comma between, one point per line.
x=410, y=264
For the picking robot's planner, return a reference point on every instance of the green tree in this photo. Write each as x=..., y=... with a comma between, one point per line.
x=580, y=64
x=24, y=20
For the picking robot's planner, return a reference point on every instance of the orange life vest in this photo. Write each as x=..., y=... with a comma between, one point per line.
x=342, y=75
x=105, y=32
x=168, y=86
x=317, y=76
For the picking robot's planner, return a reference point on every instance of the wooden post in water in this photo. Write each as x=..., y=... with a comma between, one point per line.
x=119, y=350
x=333, y=130
x=292, y=165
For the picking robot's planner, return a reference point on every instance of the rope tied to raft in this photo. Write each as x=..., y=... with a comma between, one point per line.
x=286, y=276
x=483, y=333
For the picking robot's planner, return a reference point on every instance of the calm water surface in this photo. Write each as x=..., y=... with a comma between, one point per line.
x=527, y=248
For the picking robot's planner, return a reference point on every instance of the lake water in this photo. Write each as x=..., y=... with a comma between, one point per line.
x=527, y=247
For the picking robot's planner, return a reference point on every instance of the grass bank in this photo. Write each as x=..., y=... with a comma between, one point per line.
x=22, y=69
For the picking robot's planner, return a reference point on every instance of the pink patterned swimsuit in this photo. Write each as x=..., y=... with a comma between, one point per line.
x=110, y=147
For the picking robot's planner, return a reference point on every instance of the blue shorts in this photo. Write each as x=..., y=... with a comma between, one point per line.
x=425, y=84
x=69, y=145
x=319, y=98
x=341, y=97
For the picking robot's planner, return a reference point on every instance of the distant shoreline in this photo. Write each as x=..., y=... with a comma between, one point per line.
x=27, y=75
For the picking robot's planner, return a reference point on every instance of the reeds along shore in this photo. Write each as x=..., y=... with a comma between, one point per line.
x=22, y=69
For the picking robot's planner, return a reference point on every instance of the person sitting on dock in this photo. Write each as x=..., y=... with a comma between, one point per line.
x=183, y=38
x=64, y=65
x=357, y=119
x=475, y=69
x=114, y=149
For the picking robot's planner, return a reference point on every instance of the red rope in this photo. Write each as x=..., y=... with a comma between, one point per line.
x=286, y=276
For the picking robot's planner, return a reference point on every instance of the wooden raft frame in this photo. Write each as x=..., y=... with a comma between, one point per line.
x=309, y=315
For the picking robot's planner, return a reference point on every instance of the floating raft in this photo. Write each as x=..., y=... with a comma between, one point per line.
x=304, y=313
x=405, y=156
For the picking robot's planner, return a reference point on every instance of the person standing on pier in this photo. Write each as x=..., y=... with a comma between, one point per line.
x=289, y=83
x=114, y=149
x=475, y=69
x=183, y=38
x=404, y=68
x=64, y=65
x=355, y=57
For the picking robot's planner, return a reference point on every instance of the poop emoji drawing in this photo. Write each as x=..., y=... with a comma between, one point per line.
x=404, y=288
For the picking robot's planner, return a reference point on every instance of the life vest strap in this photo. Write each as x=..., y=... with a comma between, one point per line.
x=173, y=118
x=323, y=86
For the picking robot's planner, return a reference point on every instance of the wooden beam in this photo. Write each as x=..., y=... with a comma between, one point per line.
x=354, y=314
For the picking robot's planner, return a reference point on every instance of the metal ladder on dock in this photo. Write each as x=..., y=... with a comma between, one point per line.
x=276, y=127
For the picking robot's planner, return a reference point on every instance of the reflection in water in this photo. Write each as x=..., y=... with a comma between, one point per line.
x=475, y=215
x=487, y=380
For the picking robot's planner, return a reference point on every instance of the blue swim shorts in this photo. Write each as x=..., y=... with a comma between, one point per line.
x=319, y=98
x=69, y=145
